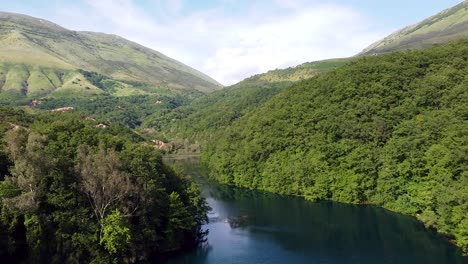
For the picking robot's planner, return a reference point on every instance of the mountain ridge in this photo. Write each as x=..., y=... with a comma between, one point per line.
x=449, y=24
x=33, y=43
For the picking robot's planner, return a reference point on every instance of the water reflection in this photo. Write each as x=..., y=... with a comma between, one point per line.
x=255, y=227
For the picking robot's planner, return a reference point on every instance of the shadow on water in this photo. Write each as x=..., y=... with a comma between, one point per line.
x=248, y=226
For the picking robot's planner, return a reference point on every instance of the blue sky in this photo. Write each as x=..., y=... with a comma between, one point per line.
x=234, y=39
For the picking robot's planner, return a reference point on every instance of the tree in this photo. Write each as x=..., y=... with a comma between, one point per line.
x=115, y=234
x=105, y=183
x=74, y=193
x=180, y=221
x=31, y=164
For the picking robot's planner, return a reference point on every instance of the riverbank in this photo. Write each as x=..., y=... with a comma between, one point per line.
x=249, y=226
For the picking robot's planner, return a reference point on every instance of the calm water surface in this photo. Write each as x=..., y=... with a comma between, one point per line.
x=254, y=227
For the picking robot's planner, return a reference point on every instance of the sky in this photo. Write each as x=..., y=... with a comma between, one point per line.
x=230, y=40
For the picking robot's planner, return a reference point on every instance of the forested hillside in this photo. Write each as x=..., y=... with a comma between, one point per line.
x=204, y=116
x=389, y=130
x=130, y=111
x=75, y=191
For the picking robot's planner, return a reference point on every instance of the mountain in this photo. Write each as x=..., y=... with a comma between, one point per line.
x=218, y=110
x=388, y=130
x=447, y=25
x=39, y=58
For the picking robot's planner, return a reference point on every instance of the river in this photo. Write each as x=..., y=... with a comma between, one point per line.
x=255, y=227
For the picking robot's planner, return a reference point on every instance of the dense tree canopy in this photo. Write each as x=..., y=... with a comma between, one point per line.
x=390, y=130
x=125, y=110
x=200, y=119
x=204, y=116
x=71, y=192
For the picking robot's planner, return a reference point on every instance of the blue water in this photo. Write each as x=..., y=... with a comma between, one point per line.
x=254, y=227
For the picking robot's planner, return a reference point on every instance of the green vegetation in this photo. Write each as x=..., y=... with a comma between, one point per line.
x=390, y=130
x=71, y=192
x=39, y=58
x=200, y=119
x=447, y=25
x=127, y=110
x=205, y=115
x=293, y=74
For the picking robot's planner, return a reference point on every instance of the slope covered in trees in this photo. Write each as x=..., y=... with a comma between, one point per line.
x=204, y=116
x=129, y=110
x=389, y=130
x=75, y=192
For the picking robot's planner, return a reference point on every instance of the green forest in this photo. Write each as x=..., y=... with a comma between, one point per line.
x=198, y=120
x=388, y=130
x=129, y=111
x=74, y=192
x=92, y=127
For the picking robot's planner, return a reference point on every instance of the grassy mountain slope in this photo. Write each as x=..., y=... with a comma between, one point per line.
x=447, y=25
x=390, y=130
x=38, y=57
x=219, y=109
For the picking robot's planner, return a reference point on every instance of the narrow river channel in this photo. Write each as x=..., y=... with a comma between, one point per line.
x=254, y=227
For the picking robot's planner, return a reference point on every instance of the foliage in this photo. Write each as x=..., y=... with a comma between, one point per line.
x=390, y=130
x=115, y=235
x=77, y=193
x=180, y=219
x=200, y=119
x=128, y=110
x=105, y=183
x=205, y=115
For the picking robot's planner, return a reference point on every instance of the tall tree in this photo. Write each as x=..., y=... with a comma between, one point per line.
x=31, y=164
x=106, y=184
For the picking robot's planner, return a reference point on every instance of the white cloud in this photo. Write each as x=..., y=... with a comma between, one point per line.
x=229, y=46
x=310, y=34
x=122, y=15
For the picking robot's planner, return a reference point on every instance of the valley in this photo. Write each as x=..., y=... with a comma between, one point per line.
x=344, y=160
